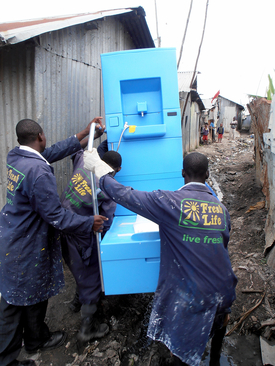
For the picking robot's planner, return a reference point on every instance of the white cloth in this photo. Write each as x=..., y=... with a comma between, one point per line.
x=25, y=147
x=93, y=163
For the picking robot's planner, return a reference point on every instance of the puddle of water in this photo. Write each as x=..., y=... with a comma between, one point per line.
x=224, y=361
x=216, y=188
x=237, y=350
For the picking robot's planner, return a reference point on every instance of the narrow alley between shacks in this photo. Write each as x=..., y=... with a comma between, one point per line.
x=232, y=172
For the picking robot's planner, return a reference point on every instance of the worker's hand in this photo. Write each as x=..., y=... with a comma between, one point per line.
x=99, y=223
x=82, y=134
x=93, y=163
x=99, y=130
x=97, y=120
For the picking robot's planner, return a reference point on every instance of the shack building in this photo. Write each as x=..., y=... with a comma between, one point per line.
x=50, y=72
x=224, y=109
x=192, y=108
x=227, y=109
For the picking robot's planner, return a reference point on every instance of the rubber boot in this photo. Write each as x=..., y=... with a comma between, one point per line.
x=216, y=347
x=75, y=304
x=90, y=327
x=178, y=362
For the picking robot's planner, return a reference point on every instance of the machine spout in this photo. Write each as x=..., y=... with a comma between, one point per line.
x=142, y=108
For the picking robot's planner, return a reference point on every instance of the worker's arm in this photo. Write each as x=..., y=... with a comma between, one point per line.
x=146, y=204
x=69, y=146
x=45, y=201
x=150, y=205
x=61, y=149
x=107, y=208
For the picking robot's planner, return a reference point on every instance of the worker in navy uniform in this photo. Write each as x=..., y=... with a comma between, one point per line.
x=80, y=253
x=196, y=285
x=30, y=257
x=102, y=148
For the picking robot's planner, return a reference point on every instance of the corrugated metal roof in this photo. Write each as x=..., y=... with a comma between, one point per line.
x=207, y=103
x=239, y=105
x=196, y=98
x=15, y=32
x=184, y=81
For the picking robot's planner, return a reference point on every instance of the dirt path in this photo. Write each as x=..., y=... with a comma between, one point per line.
x=232, y=170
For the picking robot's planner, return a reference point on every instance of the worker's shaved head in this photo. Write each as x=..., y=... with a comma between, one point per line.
x=27, y=131
x=113, y=159
x=195, y=165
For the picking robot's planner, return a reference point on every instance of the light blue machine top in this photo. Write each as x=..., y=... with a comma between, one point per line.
x=150, y=71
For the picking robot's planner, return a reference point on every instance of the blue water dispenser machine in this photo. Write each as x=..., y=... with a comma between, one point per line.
x=143, y=124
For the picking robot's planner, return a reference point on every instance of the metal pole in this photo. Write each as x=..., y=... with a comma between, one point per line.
x=158, y=37
x=183, y=39
x=95, y=203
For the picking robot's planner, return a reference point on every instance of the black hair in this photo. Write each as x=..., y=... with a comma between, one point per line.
x=195, y=164
x=27, y=131
x=113, y=159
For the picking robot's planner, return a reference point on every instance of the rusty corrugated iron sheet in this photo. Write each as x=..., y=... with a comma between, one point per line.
x=269, y=182
x=259, y=110
x=5, y=27
x=265, y=159
x=135, y=24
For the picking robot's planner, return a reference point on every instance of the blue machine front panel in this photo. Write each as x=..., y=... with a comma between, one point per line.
x=143, y=122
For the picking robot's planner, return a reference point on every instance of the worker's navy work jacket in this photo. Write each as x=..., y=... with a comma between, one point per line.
x=77, y=197
x=196, y=279
x=30, y=260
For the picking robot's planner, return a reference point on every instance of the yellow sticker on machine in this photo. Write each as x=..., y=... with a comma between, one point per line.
x=132, y=128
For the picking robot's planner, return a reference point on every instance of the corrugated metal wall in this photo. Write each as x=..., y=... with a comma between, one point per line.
x=190, y=123
x=228, y=110
x=57, y=83
x=194, y=128
x=186, y=121
x=17, y=99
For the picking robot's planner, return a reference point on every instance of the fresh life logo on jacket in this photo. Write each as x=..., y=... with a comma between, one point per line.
x=197, y=214
x=14, y=179
x=79, y=189
x=80, y=184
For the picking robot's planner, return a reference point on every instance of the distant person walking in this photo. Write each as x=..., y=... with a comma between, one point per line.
x=205, y=133
x=212, y=131
x=220, y=132
x=233, y=125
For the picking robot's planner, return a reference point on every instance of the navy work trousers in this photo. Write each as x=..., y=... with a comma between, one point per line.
x=18, y=323
x=85, y=271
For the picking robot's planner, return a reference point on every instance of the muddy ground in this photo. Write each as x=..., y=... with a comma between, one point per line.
x=233, y=172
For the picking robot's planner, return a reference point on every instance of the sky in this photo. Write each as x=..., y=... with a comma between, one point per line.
x=237, y=52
